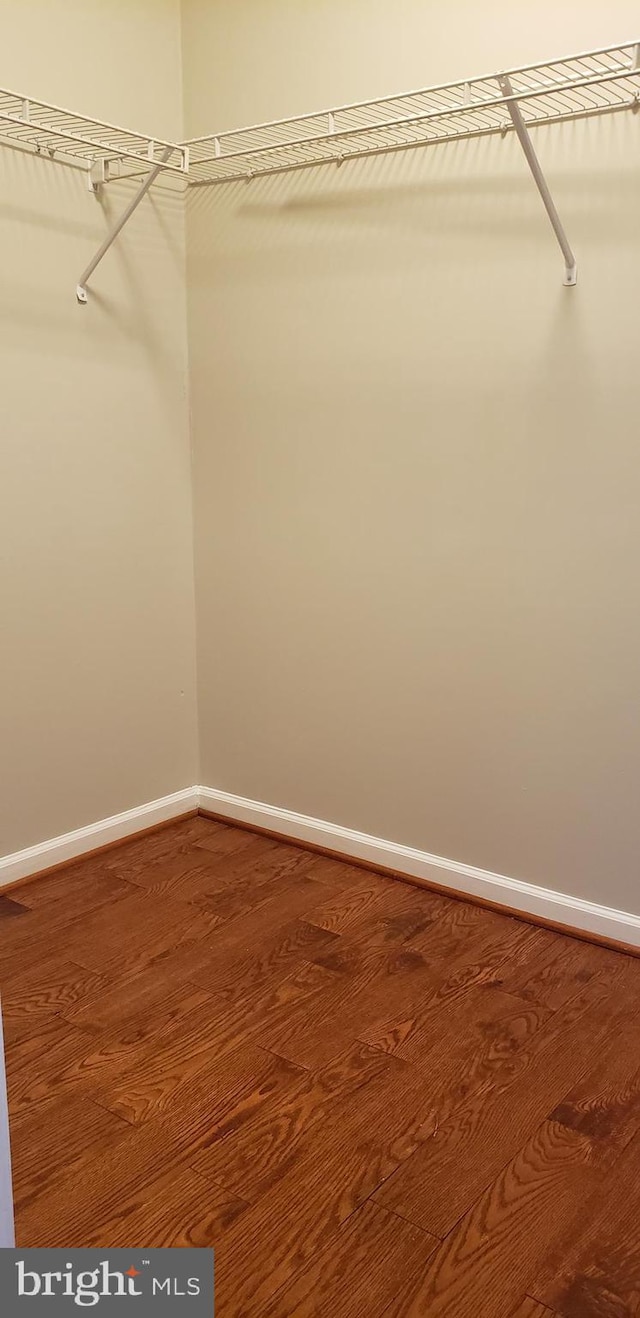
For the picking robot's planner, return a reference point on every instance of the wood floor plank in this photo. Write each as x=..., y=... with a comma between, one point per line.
x=72, y=1060
x=175, y=1210
x=184, y=876
x=122, y=997
x=48, y=923
x=257, y=1256
x=52, y=1139
x=190, y=873
x=338, y=876
x=34, y=1055
x=555, y=969
x=595, y=1270
x=244, y=963
x=103, y=937
x=52, y=988
x=598, y=1271
x=334, y=1165
x=224, y=839
x=75, y=890
x=215, y=1029
x=511, y=1086
x=257, y=887
x=490, y=1257
x=173, y=839
x=259, y=854
x=407, y=978
x=457, y=922
x=141, y=931
x=354, y=905
x=93, y=1189
x=605, y=1101
x=250, y=1157
x=463, y=960
x=321, y=1029
x=66, y=1213
x=230, y=961
x=227, y=1096
x=357, y=1273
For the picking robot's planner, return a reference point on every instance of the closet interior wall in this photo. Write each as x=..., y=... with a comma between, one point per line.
x=415, y=466
x=416, y=460
x=97, y=708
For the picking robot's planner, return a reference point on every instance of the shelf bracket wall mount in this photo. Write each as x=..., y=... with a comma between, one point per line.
x=522, y=133
x=101, y=150
x=118, y=226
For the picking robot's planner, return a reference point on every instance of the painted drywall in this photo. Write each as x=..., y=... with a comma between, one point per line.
x=97, y=695
x=416, y=464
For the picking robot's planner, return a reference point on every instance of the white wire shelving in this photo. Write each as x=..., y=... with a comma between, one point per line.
x=594, y=82
x=73, y=139
x=102, y=150
x=574, y=87
x=579, y=85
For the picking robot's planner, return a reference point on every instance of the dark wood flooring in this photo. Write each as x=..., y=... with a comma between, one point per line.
x=370, y=1099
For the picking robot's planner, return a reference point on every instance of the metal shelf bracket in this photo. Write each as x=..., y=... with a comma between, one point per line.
x=97, y=174
x=81, y=290
x=570, y=268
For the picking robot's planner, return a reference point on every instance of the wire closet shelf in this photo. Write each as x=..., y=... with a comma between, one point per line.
x=577, y=86
x=594, y=82
x=73, y=139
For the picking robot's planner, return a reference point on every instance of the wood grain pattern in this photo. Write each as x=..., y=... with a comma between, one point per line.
x=176, y=1209
x=490, y=1257
x=356, y=985
x=367, y=1097
x=252, y=1156
x=315, y=1197
x=461, y=960
x=596, y=1270
x=85, y=884
x=89, y=1193
x=555, y=969
x=50, y=1141
x=491, y=1099
x=357, y=1273
x=76, y=1061
x=55, y=987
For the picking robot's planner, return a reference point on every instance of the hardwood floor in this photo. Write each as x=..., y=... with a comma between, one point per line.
x=369, y=1099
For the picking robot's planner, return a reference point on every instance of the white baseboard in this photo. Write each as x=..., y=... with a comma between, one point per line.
x=545, y=903
x=528, y=898
x=59, y=849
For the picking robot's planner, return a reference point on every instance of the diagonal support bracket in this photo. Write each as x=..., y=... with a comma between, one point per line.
x=570, y=270
x=81, y=290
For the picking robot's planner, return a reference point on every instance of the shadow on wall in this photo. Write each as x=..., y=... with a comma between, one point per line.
x=49, y=230
x=477, y=187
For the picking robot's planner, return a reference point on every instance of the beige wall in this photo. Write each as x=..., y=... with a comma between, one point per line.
x=417, y=470
x=97, y=705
